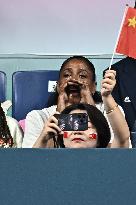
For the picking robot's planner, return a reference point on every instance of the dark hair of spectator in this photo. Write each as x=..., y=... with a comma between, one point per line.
x=97, y=119
x=5, y=135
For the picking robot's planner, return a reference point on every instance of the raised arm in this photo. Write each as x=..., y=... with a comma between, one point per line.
x=114, y=114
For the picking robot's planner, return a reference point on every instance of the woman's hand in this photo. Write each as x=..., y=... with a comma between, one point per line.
x=108, y=83
x=66, y=97
x=51, y=127
x=49, y=131
x=63, y=97
x=85, y=93
x=81, y=95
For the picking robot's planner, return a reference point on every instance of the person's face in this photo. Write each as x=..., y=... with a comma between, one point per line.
x=77, y=71
x=81, y=139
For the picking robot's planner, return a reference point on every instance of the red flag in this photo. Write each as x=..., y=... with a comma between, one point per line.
x=127, y=40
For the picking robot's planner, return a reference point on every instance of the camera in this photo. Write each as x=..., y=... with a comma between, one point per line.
x=73, y=122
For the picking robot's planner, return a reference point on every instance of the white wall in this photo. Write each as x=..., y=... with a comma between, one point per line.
x=60, y=26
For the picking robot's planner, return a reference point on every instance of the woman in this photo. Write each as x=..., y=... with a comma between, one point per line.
x=77, y=84
x=96, y=136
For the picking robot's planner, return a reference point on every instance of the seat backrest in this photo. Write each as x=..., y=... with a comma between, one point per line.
x=3, y=81
x=31, y=90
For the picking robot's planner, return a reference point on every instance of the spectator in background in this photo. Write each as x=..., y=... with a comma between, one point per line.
x=11, y=135
x=77, y=84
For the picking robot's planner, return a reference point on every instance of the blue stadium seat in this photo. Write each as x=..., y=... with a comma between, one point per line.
x=31, y=90
x=3, y=81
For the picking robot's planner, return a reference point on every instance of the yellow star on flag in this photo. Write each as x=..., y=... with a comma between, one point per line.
x=132, y=22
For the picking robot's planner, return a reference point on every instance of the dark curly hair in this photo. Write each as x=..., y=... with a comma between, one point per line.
x=5, y=136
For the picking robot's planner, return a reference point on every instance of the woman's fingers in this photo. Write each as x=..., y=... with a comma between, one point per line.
x=110, y=74
x=109, y=81
x=52, y=125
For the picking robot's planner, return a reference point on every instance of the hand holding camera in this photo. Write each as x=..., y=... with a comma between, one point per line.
x=57, y=124
x=50, y=129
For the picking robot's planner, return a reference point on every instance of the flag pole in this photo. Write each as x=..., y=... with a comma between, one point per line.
x=124, y=15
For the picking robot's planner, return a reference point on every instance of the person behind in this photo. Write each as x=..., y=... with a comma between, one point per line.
x=96, y=136
x=11, y=134
x=76, y=84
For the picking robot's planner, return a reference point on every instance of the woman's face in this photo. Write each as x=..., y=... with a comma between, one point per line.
x=78, y=71
x=81, y=139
